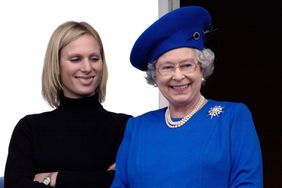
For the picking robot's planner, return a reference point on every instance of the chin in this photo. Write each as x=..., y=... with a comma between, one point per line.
x=178, y=101
x=86, y=94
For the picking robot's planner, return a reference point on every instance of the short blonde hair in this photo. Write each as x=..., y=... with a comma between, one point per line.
x=61, y=37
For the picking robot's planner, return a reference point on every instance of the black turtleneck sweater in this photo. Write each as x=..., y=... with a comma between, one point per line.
x=79, y=139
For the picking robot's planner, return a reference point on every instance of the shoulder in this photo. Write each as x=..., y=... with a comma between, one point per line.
x=117, y=116
x=229, y=111
x=229, y=106
x=153, y=113
x=114, y=120
x=30, y=122
x=38, y=116
x=147, y=121
x=151, y=116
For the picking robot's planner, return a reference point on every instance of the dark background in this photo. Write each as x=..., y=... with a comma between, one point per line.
x=248, y=68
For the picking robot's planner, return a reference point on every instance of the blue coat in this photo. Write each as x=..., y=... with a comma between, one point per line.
x=214, y=149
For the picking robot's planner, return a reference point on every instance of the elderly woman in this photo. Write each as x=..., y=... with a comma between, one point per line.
x=194, y=142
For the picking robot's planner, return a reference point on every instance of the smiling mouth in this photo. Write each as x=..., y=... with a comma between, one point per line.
x=84, y=77
x=180, y=87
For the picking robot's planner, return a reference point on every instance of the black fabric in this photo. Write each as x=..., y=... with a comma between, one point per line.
x=80, y=140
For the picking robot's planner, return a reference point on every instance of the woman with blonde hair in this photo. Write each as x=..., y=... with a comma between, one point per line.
x=75, y=144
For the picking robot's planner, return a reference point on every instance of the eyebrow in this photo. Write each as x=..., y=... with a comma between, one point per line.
x=190, y=60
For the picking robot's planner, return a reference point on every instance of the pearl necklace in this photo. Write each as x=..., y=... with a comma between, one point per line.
x=176, y=124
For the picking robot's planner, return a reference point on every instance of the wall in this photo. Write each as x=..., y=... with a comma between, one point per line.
x=25, y=30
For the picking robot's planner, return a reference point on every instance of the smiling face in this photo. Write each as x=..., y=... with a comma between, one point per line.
x=81, y=67
x=182, y=86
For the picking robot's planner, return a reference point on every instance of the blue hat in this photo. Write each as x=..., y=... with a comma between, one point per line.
x=183, y=27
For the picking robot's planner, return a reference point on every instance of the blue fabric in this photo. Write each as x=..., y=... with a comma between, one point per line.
x=207, y=152
x=183, y=27
x=1, y=182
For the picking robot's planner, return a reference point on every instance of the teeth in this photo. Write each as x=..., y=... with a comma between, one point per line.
x=180, y=87
x=84, y=77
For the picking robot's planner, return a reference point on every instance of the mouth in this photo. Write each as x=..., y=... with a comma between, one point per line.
x=84, y=77
x=179, y=87
x=85, y=80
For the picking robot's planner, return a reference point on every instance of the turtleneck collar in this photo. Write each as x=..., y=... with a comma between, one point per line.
x=82, y=104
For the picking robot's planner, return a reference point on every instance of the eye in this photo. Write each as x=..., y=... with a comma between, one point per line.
x=75, y=59
x=167, y=67
x=186, y=66
x=94, y=58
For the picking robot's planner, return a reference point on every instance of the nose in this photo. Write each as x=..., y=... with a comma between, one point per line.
x=177, y=74
x=86, y=66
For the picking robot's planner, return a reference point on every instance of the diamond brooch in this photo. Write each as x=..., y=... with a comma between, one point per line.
x=215, y=111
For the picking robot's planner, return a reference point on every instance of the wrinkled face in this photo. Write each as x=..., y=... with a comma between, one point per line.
x=81, y=67
x=178, y=76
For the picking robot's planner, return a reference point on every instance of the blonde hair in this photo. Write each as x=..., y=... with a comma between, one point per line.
x=61, y=37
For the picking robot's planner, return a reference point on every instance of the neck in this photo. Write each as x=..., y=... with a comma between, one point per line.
x=175, y=124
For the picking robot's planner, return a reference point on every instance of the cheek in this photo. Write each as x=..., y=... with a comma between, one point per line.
x=66, y=68
x=66, y=73
x=98, y=67
x=99, y=71
x=99, y=79
x=63, y=78
x=158, y=80
x=198, y=76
